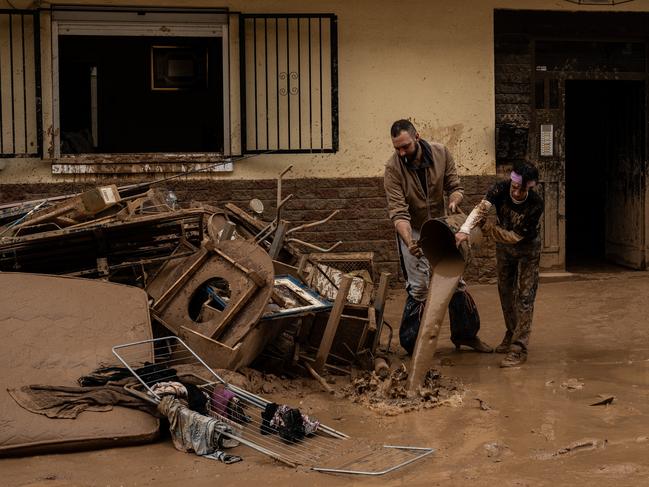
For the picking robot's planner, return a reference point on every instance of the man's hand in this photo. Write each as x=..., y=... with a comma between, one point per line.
x=461, y=237
x=415, y=249
x=454, y=201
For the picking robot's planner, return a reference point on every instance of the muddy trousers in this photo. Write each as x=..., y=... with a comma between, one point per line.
x=518, y=281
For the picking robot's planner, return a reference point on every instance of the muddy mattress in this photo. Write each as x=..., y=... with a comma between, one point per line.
x=54, y=330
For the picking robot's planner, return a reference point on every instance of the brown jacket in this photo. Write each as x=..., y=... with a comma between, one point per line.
x=406, y=198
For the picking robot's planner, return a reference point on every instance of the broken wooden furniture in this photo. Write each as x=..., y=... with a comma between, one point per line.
x=225, y=327
x=114, y=249
x=323, y=272
x=353, y=329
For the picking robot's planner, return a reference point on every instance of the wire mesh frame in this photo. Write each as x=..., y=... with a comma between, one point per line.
x=289, y=83
x=321, y=451
x=20, y=75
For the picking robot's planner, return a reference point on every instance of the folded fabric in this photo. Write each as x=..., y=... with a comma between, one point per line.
x=170, y=388
x=65, y=402
x=191, y=431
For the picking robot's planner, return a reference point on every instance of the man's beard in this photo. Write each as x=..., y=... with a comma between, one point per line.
x=410, y=158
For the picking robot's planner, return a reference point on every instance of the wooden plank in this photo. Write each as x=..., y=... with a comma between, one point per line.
x=381, y=296
x=332, y=323
x=278, y=240
x=369, y=327
x=245, y=217
x=231, y=310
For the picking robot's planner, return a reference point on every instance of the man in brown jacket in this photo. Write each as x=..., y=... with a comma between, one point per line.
x=417, y=177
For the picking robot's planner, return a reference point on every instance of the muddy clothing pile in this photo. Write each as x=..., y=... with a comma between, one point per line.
x=389, y=396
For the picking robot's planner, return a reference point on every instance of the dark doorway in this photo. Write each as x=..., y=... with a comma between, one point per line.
x=140, y=94
x=605, y=152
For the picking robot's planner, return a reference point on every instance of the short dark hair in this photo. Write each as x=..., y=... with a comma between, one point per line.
x=527, y=171
x=402, y=125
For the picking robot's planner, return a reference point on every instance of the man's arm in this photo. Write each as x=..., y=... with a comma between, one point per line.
x=398, y=211
x=404, y=230
x=477, y=217
x=397, y=204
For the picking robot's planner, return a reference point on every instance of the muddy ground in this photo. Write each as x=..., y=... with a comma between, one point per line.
x=532, y=426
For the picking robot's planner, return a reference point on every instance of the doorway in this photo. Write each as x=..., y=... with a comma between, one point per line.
x=605, y=159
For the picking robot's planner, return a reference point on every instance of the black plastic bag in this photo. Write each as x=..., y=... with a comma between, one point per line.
x=464, y=317
x=410, y=321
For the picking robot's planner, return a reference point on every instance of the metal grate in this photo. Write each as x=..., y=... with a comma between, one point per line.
x=289, y=82
x=327, y=450
x=20, y=84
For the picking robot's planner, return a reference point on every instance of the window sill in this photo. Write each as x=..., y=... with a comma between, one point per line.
x=141, y=163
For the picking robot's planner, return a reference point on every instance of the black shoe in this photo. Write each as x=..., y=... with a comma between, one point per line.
x=476, y=344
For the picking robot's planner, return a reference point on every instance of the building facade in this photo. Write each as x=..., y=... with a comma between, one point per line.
x=136, y=90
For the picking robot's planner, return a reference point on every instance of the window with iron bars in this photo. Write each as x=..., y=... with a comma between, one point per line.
x=289, y=83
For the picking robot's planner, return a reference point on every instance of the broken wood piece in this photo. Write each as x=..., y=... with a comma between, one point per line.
x=332, y=323
x=251, y=274
x=370, y=327
x=76, y=208
x=304, y=258
x=331, y=368
x=242, y=215
x=379, y=306
x=278, y=240
x=228, y=231
x=232, y=309
x=319, y=378
x=184, y=276
x=604, y=402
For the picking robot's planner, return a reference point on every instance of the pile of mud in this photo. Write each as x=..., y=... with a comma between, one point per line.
x=389, y=396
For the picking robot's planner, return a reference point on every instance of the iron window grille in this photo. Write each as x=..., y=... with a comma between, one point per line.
x=289, y=83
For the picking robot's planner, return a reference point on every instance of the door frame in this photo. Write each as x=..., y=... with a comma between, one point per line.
x=552, y=169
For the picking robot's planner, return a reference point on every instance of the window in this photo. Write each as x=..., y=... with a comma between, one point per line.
x=289, y=83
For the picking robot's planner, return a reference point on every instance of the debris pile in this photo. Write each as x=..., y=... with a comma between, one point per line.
x=225, y=281
x=389, y=395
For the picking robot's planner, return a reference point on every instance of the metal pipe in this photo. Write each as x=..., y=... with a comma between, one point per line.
x=426, y=452
x=313, y=224
x=315, y=247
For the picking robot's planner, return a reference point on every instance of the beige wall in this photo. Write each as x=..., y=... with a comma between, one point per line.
x=428, y=60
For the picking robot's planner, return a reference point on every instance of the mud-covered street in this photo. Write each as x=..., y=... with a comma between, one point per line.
x=532, y=425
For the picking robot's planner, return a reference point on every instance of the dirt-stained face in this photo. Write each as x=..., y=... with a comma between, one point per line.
x=406, y=145
x=518, y=192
